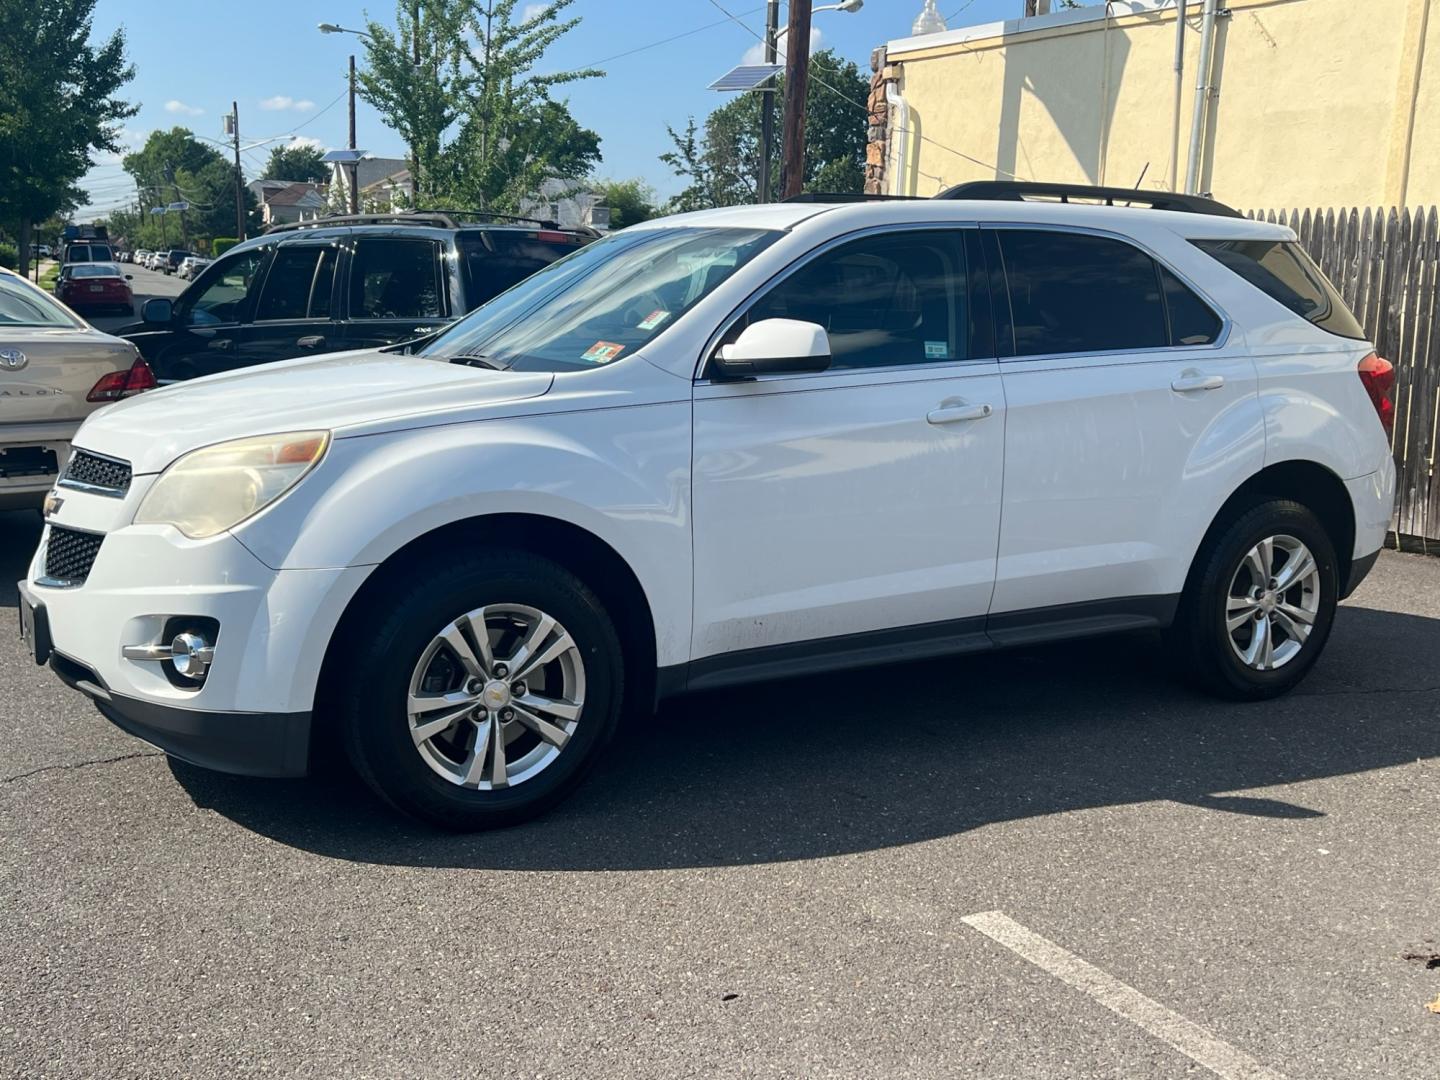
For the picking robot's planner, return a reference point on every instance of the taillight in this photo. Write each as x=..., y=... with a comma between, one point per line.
x=123, y=384
x=1378, y=375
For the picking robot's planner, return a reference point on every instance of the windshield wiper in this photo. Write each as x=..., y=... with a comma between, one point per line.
x=476, y=360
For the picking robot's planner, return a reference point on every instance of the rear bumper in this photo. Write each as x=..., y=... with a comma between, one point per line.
x=248, y=744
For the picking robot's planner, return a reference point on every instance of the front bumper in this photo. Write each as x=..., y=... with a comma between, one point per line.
x=252, y=712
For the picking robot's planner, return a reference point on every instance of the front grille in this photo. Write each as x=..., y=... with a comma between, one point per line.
x=89, y=470
x=69, y=554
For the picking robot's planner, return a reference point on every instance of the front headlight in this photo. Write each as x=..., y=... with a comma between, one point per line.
x=217, y=487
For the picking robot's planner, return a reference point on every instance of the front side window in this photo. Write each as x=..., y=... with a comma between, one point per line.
x=395, y=279
x=883, y=300
x=1282, y=271
x=1076, y=293
x=605, y=301
x=298, y=284
x=24, y=305
x=224, y=292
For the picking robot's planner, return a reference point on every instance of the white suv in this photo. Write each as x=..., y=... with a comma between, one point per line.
x=721, y=447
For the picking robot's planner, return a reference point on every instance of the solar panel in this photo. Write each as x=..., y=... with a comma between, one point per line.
x=747, y=76
x=343, y=156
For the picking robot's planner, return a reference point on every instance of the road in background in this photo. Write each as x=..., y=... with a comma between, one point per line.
x=768, y=882
x=146, y=283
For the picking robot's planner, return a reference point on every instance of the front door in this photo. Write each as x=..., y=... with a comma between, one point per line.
x=1132, y=417
x=865, y=498
x=210, y=322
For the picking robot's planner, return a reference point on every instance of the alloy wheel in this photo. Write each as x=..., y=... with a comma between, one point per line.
x=1273, y=602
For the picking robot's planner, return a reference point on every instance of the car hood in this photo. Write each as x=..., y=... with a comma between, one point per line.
x=331, y=392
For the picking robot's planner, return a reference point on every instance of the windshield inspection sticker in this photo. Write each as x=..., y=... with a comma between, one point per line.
x=937, y=350
x=654, y=319
x=602, y=352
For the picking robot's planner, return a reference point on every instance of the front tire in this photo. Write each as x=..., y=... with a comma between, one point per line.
x=480, y=692
x=1259, y=605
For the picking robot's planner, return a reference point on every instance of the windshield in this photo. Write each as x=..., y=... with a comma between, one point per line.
x=600, y=303
x=22, y=305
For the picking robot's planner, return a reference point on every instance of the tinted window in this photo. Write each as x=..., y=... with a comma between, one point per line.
x=1282, y=271
x=93, y=270
x=222, y=293
x=395, y=279
x=884, y=300
x=298, y=284
x=1073, y=293
x=496, y=260
x=1191, y=320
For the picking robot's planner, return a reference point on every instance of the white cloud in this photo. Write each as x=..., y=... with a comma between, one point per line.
x=281, y=102
x=755, y=54
x=529, y=11
x=174, y=106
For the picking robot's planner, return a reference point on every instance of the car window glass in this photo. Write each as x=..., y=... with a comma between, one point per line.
x=883, y=300
x=297, y=285
x=1282, y=271
x=1074, y=293
x=223, y=292
x=395, y=279
x=497, y=260
x=21, y=305
x=1191, y=320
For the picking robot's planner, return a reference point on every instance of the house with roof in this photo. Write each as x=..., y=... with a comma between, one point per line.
x=284, y=201
x=388, y=177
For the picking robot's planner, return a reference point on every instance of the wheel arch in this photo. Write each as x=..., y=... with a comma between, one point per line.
x=589, y=557
x=1308, y=483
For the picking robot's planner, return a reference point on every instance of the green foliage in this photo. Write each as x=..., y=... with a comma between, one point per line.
x=722, y=164
x=456, y=80
x=174, y=166
x=630, y=201
x=9, y=256
x=57, y=105
x=297, y=163
x=221, y=244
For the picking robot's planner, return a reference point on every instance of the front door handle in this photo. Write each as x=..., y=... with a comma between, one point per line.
x=219, y=343
x=311, y=341
x=1194, y=380
x=953, y=414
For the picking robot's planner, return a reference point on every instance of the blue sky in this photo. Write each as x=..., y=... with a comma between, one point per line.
x=193, y=57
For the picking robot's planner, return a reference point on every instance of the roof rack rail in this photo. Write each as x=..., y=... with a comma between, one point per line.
x=441, y=218
x=845, y=196
x=1019, y=191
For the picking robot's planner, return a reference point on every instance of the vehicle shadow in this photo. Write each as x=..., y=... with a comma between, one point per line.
x=895, y=755
x=19, y=533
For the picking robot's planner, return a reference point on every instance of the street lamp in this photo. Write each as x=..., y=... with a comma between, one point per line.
x=336, y=28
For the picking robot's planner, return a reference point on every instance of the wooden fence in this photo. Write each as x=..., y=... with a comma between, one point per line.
x=1384, y=262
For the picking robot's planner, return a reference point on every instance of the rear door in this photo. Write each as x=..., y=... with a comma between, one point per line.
x=396, y=290
x=293, y=311
x=1131, y=417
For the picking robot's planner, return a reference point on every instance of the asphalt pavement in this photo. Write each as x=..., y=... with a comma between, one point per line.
x=769, y=882
x=145, y=284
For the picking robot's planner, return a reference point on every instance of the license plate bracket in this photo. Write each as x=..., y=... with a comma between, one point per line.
x=18, y=461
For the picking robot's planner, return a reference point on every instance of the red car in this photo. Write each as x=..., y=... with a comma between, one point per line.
x=91, y=286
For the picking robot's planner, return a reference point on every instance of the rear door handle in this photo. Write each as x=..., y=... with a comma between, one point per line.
x=953, y=414
x=311, y=341
x=1194, y=380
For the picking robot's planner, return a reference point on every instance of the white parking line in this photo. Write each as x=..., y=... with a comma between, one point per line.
x=1190, y=1039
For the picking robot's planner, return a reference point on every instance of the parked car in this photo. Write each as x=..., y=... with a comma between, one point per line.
x=719, y=448
x=83, y=251
x=340, y=283
x=173, y=258
x=95, y=286
x=54, y=370
x=192, y=266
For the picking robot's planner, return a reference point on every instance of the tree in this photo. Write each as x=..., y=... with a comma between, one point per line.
x=456, y=79
x=174, y=166
x=722, y=165
x=630, y=201
x=57, y=105
x=297, y=162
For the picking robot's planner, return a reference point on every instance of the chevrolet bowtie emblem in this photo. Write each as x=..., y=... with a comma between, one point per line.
x=53, y=503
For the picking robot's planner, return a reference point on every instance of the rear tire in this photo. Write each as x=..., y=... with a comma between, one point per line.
x=462, y=731
x=1259, y=605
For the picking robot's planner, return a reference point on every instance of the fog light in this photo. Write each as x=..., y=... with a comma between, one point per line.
x=192, y=655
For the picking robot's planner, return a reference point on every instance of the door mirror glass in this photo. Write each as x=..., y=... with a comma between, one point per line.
x=158, y=310
x=775, y=347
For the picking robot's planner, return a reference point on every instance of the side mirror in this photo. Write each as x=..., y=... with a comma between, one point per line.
x=775, y=347
x=158, y=310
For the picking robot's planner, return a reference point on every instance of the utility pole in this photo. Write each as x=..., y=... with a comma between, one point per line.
x=239, y=174
x=767, y=101
x=797, y=76
x=354, y=165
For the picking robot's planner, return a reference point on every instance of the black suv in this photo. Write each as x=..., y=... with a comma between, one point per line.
x=347, y=282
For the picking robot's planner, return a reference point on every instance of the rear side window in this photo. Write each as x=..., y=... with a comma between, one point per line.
x=395, y=279
x=298, y=284
x=496, y=260
x=1191, y=320
x=1073, y=293
x=1282, y=271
